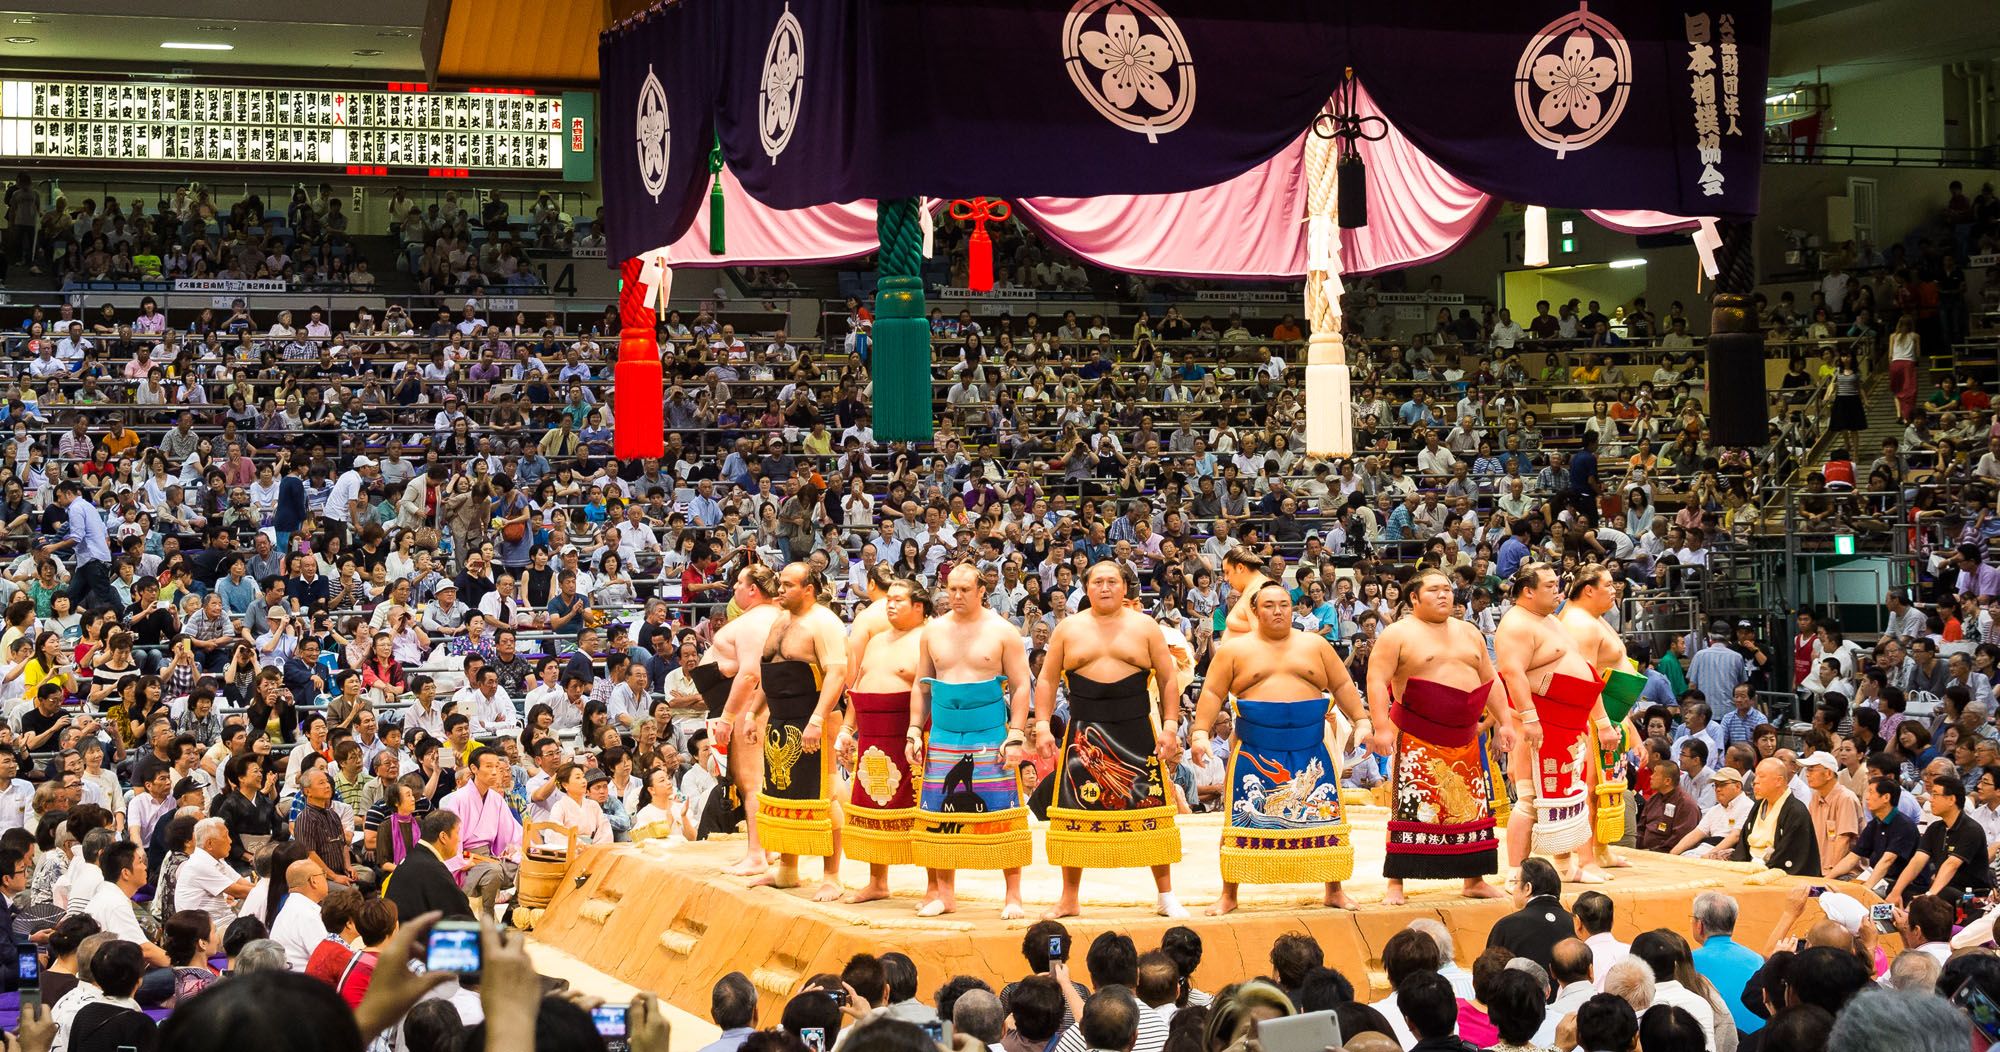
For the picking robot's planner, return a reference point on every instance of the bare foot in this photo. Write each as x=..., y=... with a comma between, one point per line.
x=827, y=892
x=1064, y=907
x=1577, y=873
x=1222, y=905
x=1012, y=910
x=1611, y=861
x=1338, y=899
x=867, y=894
x=1393, y=894
x=748, y=866
x=937, y=907
x=1479, y=889
x=780, y=877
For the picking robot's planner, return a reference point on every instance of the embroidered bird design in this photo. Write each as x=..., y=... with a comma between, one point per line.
x=781, y=751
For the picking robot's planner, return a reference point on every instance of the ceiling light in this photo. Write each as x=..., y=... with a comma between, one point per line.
x=29, y=20
x=20, y=40
x=367, y=52
x=1627, y=264
x=217, y=29
x=184, y=45
x=396, y=33
x=1773, y=100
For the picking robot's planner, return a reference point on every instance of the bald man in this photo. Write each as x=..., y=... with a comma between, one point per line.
x=1779, y=832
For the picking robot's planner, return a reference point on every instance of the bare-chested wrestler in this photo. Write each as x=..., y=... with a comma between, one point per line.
x=1283, y=821
x=1429, y=678
x=732, y=702
x=973, y=692
x=799, y=680
x=1112, y=806
x=1554, y=693
x=1592, y=594
x=880, y=801
x=1244, y=571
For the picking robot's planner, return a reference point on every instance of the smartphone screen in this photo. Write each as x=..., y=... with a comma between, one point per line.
x=453, y=947
x=1058, y=947
x=1985, y=1014
x=814, y=1037
x=1884, y=916
x=609, y=1020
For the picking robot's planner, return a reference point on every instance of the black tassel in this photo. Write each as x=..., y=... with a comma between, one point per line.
x=1351, y=193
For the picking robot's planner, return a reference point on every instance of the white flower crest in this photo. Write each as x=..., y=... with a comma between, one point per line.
x=1573, y=81
x=780, y=77
x=1132, y=61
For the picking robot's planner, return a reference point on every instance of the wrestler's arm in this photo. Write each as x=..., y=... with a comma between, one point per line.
x=1214, y=691
x=1502, y=720
x=1345, y=694
x=1020, y=694
x=830, y=651
x=1382, y=662
x=746, y=689
x=1166, y=673
x=1045, y=687
x=1514, y=653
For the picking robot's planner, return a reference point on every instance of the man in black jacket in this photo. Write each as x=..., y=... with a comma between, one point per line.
x=422, y=883
x=1431, y=1010
x=1539, y=920
x=1779, y=831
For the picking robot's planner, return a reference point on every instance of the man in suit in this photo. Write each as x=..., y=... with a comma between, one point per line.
x=1779, y=832
x=1539, y=921
x=422, y=883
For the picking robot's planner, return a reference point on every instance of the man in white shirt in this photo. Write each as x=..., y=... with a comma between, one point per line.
x=124, y=869
x=634, y=536
x=16, y=798
x=298, y=928
x=1653, y=948
x=1594, y=912
x=493, y=711
x=1457, y=974
x=205, y=882
x=1572, y=962
x=151, y=803
x=346, y=502
x=630, y=700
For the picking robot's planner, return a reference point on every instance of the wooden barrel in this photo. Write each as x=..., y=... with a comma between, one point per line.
x=541, y=872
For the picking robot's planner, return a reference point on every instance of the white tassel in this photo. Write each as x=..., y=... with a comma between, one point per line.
x=1322, y=243
x=1707, y=239
x=658, y=277
x=1535, y=242
x=929, y=225
x=1329, y=399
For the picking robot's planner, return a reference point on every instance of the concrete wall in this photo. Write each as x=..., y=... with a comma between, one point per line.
x=1902, y=109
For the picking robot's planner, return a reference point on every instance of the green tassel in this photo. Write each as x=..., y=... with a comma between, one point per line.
x=715, y=239
x=901, y=359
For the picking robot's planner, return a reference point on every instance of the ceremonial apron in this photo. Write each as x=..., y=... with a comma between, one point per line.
x=794, y=814
x=877, y=827
x=1440, y=824
x=1562, y=786
x=1621, y=692
x=969, y=813
x=1501, y=793
x=1111, y=807
x=713, y=686
x=1283, y=823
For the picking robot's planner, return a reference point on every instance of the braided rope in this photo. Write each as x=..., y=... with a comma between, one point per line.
x=1322, y=311
x=899, y=226
x=1329, y=404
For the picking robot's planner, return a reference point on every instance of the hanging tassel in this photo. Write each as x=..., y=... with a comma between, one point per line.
x=715, y=240
x=1329, y=401
x=1535, y=237
x=979, y=249
x=638, y=390
x=1352, y=178
x=901, y=360
x=929, y=221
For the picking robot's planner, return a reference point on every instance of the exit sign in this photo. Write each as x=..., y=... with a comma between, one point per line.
x=1843, y=544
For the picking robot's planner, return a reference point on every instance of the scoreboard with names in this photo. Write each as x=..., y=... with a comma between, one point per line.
x=359, y=131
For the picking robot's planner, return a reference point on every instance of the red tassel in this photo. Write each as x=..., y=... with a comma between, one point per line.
x=638, y=392
x=979, y=248
x=979, y=261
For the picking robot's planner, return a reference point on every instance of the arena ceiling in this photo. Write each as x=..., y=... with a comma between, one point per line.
x=555, y=41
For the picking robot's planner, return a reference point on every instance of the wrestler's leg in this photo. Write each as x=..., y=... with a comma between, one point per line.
x=746, y=763
x=1066, y=905
x=1337, y=898
x=784, y=875
x=1163, y=879
x=1224, y=902
x=1010, y=909
x=1392, y=893
x=829, y=885
x=943, y=898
